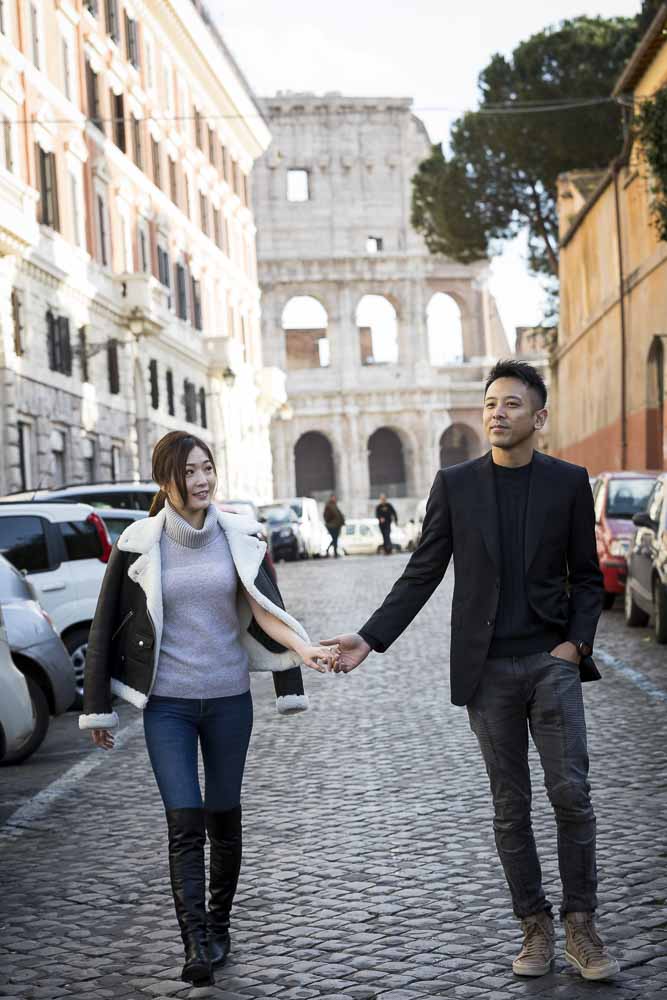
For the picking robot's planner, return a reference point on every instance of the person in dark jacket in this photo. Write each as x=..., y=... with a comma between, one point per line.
x=186, y=610
x=386, y=516
x=527, y=598
x=334, y=521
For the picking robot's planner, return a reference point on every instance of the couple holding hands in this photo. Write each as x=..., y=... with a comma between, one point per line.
x=187, y=609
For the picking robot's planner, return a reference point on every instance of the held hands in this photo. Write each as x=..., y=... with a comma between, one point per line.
x=318, y=658
x=103, y=738
x=351, y=651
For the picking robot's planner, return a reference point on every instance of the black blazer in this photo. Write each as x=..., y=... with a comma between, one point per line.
x=564, y=581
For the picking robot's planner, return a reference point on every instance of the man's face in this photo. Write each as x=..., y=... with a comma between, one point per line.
x=512, y=413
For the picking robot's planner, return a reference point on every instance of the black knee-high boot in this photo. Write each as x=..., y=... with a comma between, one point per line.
x=187, y=836
x=225, y=838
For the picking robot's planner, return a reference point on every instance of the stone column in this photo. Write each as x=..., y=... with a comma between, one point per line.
x=345, y=353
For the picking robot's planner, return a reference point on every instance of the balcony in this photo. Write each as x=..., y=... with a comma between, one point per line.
x=146, y=303
x=224, y=355
x=18, y=220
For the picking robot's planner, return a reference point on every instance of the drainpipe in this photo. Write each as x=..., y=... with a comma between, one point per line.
x=620, y=161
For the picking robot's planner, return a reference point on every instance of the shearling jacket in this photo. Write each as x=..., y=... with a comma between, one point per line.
x=124, y=641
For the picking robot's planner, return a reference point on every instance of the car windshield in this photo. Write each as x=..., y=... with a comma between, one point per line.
x=238, y=507
x=627, y=497
x=273, y=514
x=297, y=507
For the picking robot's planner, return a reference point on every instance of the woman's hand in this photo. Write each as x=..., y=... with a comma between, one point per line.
x=103, y=738
x=319, y=657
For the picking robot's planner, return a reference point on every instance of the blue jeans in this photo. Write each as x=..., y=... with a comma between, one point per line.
x=174, y=728
x=543, y=694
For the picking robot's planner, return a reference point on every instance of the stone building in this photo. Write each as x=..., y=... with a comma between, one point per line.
x=384, y=345
x=129, y=302
x=610, y=362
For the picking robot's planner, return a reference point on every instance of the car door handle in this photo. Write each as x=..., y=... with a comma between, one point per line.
x=47, y=588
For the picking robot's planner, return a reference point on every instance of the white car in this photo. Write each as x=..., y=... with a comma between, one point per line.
x=362, y=536
x=310, y=522
x=62, y=549
x=16, y=714
x=130, y=495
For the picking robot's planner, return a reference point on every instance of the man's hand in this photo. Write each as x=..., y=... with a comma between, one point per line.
x=352, y=650
x=566, y=651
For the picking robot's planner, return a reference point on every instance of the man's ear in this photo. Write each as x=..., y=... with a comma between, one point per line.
x=541, y=419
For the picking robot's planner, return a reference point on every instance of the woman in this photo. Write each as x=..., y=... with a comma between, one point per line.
x=185, y=610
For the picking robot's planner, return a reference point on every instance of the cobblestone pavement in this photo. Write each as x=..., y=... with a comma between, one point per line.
x=370, y=868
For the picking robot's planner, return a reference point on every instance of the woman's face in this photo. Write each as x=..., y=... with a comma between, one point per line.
x=200, y=482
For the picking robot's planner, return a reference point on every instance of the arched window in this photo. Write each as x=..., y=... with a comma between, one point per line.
x=655, y=406
x=386, y=464
x=445, y=334
x=305, y=323
x=378, y=335
x=314, y=466
x=458, y=444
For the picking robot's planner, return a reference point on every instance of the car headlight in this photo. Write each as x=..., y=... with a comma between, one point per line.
x=286, y=533
x=620, y=547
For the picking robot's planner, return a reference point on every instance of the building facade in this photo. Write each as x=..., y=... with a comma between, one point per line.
x=129, y=302
x=610, y=363
x=384, y=345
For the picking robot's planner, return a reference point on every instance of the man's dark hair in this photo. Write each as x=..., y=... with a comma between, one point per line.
x=524, y=372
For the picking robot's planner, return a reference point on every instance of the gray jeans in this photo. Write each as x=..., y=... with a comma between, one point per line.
x=543, y=694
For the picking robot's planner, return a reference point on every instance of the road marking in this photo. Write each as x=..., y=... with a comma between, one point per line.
x=633, y=675
x=38, y=806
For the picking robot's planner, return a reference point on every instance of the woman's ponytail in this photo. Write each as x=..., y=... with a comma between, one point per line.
x=158, y=503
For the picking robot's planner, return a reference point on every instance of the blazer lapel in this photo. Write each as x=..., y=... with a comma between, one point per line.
x=539, y=495
x=487, y=506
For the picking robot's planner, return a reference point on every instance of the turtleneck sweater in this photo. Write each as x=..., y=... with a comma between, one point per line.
x=201, y=655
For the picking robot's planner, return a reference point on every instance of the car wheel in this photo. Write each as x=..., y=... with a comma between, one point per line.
x=660, y=611
x=76, y=644
x=634, y=616
x=608, y=600
x=40, y=713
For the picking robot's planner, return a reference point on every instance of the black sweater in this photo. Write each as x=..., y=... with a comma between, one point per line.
x=518, y=630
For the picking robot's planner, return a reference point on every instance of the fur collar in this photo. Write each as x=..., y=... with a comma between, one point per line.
x=140, y=536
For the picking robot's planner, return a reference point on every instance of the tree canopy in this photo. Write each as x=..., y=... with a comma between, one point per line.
x=501, y=176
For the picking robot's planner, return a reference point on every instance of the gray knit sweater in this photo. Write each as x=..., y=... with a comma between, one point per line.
x=201, y=654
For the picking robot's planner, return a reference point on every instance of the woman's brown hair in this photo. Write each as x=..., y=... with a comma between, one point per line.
x=170, y=456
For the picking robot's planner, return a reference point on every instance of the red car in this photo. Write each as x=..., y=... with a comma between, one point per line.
x=618, y=497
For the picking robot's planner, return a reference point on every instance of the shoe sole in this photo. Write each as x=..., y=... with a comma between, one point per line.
x=593, y=975
x=534, y=973
x=198, y=975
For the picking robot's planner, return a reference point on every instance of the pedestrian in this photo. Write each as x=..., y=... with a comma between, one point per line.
x=334, y=521
x=527, y=598
x=386, y=516
x=170, y=637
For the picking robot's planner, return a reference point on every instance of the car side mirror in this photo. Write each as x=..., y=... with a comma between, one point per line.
x=642, y=520
x=261, y=519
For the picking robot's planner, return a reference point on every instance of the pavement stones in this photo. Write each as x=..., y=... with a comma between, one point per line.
x=369, y=868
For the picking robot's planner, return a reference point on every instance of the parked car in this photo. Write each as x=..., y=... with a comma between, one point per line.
x=284, y=532
x=117, y=519
x=38, y=652
x=618, y=496
x=62, y=549
x=248, y=507
x=130, y=495
x=310, y=523
x=646, y=585
x=16, y=713
x=362, y=536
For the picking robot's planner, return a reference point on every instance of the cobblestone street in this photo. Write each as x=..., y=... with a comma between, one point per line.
x=370, y=868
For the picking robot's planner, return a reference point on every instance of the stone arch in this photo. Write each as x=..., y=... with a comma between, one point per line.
x=444, y=326
x=387, y=467
x=314, y=466
x=305, y=324
x=458, y=444
x=655, y=405
x=376, y=318
x=466, y=299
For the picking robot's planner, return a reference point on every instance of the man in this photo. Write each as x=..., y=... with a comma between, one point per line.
x=386, y=515
x=334, y=521
x=527, y=598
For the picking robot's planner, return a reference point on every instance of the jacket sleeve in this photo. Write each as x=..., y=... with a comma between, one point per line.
x=420, y=577
x=584, y=575
x=97, y=711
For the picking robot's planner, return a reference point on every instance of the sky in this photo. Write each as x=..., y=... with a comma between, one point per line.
x=429, y=50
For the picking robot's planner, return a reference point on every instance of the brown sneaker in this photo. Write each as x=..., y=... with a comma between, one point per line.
x=538, y=950
x=584, y=948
